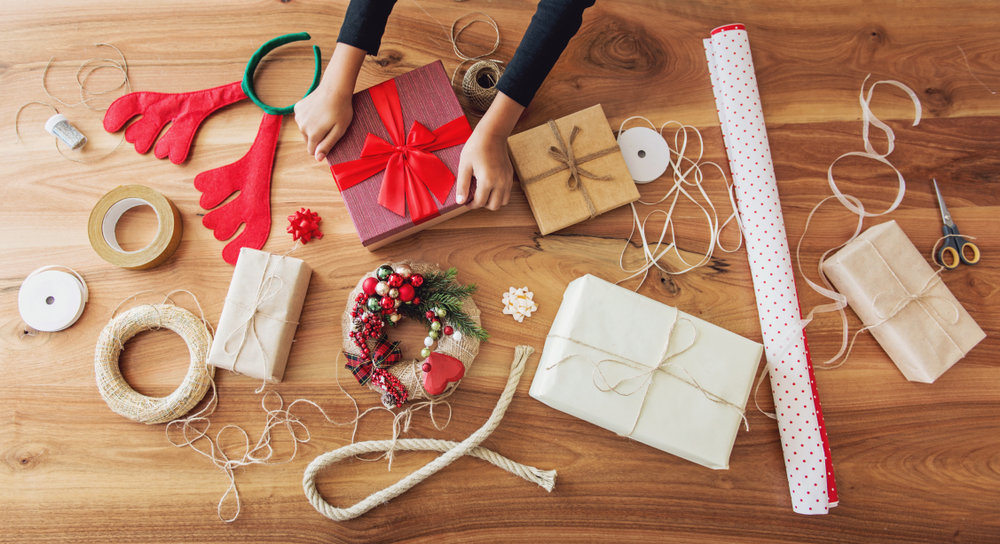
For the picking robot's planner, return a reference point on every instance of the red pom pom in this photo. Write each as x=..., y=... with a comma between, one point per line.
x=416, y=300
x=406, y=292
x=416, y=280
x=304, y=225
x=369, y=285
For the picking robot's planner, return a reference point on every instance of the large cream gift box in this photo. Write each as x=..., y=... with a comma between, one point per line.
x=648, y=371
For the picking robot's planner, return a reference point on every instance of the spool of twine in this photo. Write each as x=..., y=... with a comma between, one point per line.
x=120, y=396
x=479, y=83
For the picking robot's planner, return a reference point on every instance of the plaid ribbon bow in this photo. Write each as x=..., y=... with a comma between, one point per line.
x=384, y=355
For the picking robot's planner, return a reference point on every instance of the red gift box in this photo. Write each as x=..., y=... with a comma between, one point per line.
x=395, y=167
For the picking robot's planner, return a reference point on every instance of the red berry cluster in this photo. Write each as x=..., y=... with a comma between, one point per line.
x=368, y=325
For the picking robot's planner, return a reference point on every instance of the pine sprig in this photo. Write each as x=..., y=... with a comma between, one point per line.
x=440, y=290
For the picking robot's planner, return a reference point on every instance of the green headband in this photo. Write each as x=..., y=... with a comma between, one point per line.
x=259, y=55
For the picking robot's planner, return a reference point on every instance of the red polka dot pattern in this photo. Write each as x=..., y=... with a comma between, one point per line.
x=800, y=419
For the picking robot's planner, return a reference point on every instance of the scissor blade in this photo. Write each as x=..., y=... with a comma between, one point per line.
x=945, y=215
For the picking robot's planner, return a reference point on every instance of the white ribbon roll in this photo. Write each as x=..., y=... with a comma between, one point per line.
x=51, y=300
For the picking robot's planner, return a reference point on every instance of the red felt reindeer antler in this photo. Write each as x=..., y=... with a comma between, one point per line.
x=186, y=111
x=251, y=176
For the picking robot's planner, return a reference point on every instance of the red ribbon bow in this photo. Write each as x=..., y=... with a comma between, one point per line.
x=408, y=165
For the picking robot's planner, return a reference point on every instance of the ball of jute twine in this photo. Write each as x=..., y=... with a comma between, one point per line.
x=479, y=83
x=409, y=372
x=120, y=396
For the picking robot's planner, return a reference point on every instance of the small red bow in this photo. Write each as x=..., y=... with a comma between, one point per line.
x=412, y=172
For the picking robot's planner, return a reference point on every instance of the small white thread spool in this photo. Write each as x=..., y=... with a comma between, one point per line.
x=59, y=126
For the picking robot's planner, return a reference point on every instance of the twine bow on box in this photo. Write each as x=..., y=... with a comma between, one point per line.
x=646, y=373
x=569, y=161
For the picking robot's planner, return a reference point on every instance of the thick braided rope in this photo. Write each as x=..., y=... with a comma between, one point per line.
x=452, y=451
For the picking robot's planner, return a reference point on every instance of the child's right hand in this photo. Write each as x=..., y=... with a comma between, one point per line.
x=324, y=115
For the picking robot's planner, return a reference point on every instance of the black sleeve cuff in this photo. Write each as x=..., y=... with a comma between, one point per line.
x=555, y=22
x=364, y=24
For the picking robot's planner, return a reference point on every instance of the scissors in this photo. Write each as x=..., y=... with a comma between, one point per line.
x=953, y=252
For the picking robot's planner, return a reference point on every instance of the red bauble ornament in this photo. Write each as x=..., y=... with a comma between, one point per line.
x=416, y=280
x=395, y=280
x=416, y=300
x=448, y=330
x=369, y=285
x=387, y=303
x=429, y=315
x=406, y=292
x=304, y=225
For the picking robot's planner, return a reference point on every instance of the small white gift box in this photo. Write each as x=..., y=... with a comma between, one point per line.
x=648, y=371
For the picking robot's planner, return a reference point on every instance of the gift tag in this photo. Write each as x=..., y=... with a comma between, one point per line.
x=646, y=153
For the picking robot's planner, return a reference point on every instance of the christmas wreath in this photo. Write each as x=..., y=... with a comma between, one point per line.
x=424, y=293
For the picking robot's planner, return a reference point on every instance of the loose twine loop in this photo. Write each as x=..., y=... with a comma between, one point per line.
x=82, y=75
x=451, y=452
x=687, y=173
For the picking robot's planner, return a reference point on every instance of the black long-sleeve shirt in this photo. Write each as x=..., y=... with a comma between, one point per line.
x=555, y=22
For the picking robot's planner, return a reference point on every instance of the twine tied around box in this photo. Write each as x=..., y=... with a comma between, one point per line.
x=564, y=154
x=647, y=372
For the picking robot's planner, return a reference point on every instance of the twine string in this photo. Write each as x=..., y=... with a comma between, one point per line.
x=647, y=372
x=81, y=83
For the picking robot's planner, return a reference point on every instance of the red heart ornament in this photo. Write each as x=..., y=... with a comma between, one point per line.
x=440, y=370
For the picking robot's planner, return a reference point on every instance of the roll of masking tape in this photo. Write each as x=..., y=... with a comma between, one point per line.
x=51, y=300
x=110, y=209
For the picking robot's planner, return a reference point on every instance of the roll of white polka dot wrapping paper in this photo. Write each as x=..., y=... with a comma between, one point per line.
x=804, y=442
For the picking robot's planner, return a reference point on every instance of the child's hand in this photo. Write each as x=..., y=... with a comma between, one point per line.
x=485, y=157
x=324, y=115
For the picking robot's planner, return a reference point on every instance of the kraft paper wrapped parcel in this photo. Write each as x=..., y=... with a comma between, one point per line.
x=542, y=156
x=604, y=334
x=260, y=315
x=910, y=311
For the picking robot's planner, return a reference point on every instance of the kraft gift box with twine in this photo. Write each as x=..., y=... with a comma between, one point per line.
x=903, y=302
x=261, y=314
x=571, y=169
x=647, y=371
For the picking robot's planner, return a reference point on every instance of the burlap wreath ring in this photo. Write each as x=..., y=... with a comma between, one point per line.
x=408, y=371
x=120, y=396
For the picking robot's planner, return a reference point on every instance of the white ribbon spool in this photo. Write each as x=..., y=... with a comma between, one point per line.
x=52, y=300
x=646, y=153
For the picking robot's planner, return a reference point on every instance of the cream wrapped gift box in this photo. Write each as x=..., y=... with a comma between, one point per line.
x=261, y=313
x=618, y=359
x=904, y=304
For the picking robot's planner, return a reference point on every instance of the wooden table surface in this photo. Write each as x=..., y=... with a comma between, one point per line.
x=913, y=462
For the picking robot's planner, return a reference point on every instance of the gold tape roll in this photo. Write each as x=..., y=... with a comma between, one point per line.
x=109, y=210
